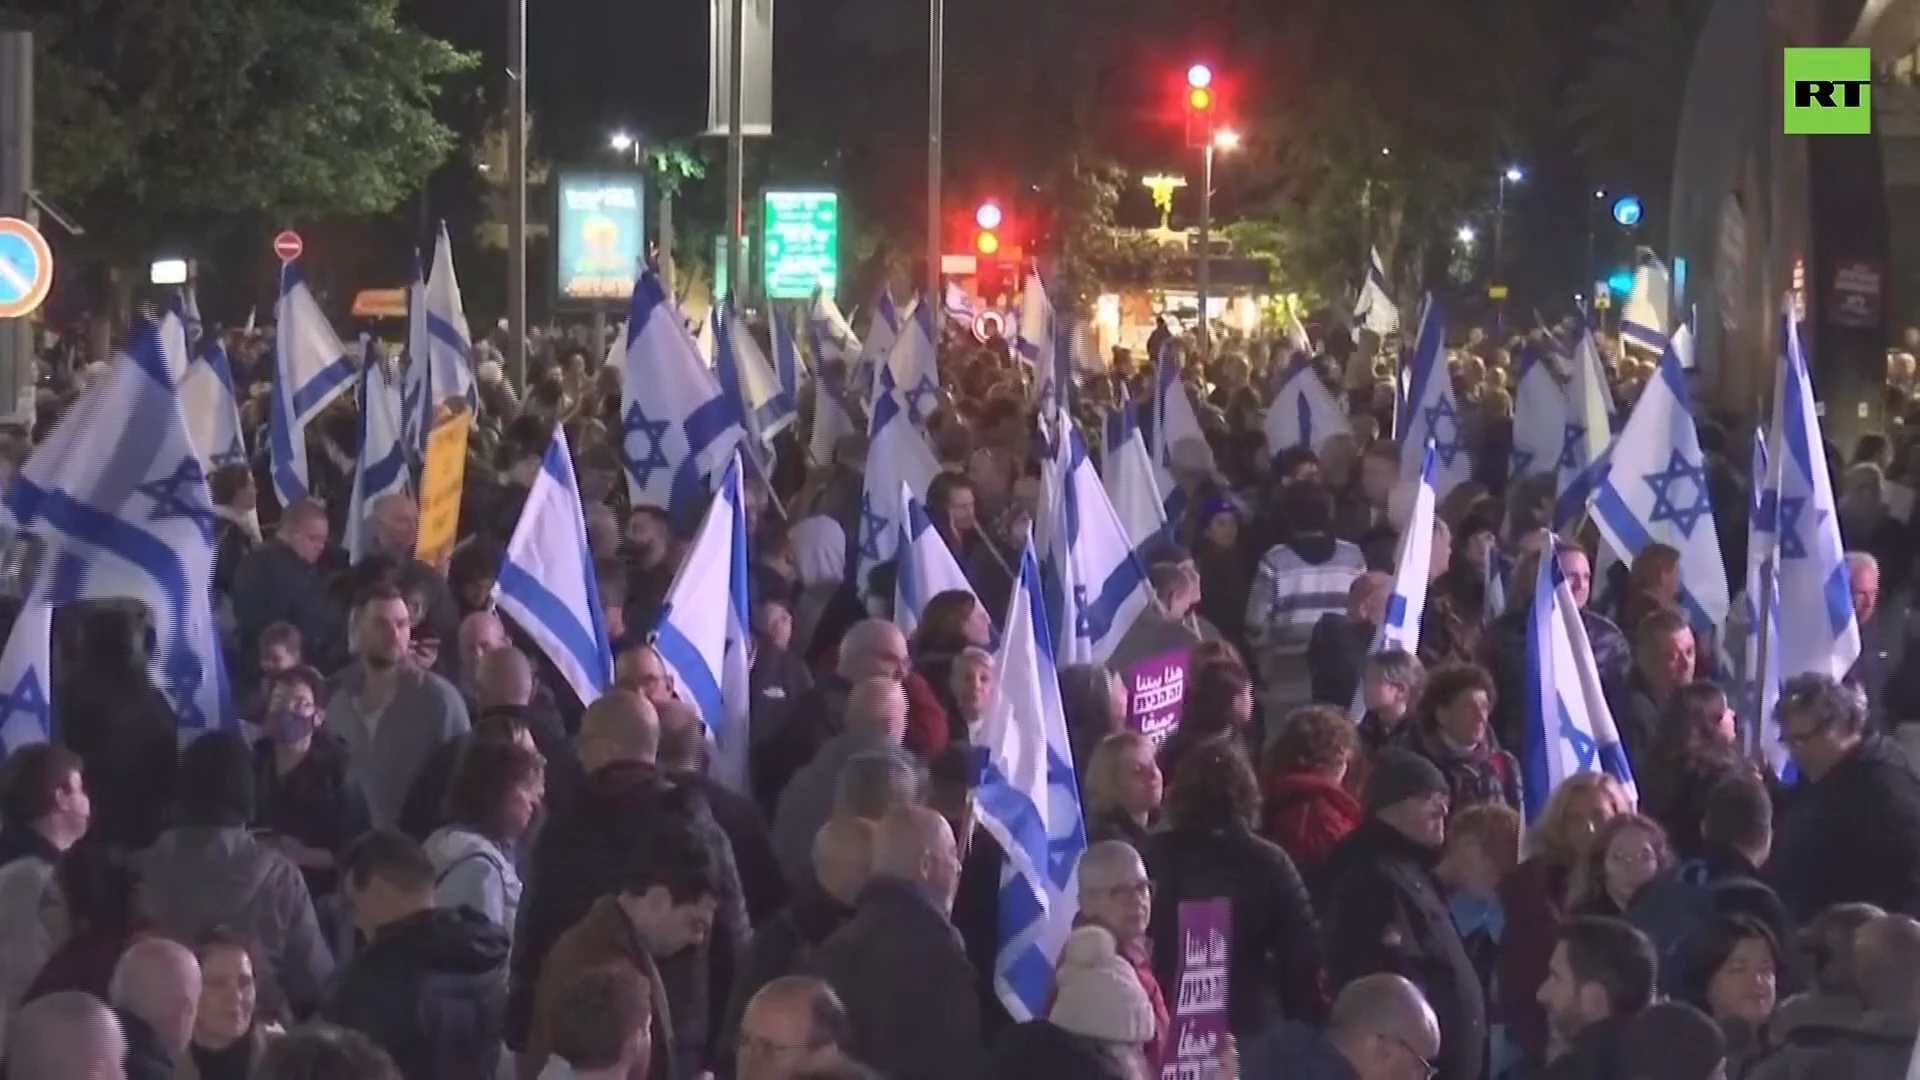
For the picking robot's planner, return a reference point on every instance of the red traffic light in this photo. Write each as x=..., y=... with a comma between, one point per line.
x=1200, y=76
x=988, y=216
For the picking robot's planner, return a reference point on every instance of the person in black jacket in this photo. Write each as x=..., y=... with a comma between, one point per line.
x=279, y=582
x=1849, y=832
x=683, y=759
x=1600, y=977
x=1386, y=912
x=1211, y=850
x=430, y=986
x=107, y=710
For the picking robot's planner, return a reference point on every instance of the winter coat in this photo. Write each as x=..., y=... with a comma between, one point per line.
x=808, y=801
x=1853, y=836
x=1307, y=814
x=198, y=878
x=1276, y=971
x=430, y=990
x=1673, y=792
x=605, y=935
x=387, y=759
x=909, y=992
x=782, y=946
x=30, y=920
x=316, y=802
x=1484, y=774
x=1595, y=1053
x=1534, y=898
x=1877, y=1047
x=774, y=756
x=1295, y=1051
x=1042, y=1050
x=1387, y=913
x=146, y=1058
x=472, y=871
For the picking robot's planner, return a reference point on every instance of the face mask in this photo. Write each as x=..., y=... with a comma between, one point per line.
x=287, y=727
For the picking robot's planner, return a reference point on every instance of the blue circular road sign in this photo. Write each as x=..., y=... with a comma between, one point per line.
x=26, y=268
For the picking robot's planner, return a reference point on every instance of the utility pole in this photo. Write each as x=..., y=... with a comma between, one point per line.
x=17, y=368
x=936, y=93
x=1203, y=273
x=517, y=195
x=736, y=152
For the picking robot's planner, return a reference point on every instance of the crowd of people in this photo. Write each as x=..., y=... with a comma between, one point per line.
x=423, y=858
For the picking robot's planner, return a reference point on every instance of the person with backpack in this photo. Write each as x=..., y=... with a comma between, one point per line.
x=492, y=798
x=1677, y=907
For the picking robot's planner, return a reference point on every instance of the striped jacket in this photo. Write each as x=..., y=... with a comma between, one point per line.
x=1292, y=589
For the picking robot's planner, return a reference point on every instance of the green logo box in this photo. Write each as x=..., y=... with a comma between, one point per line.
x=1829, y=92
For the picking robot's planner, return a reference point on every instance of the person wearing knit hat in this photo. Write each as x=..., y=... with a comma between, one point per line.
x=1098, y=1026
x=1385, y=910
x=1673, y=1041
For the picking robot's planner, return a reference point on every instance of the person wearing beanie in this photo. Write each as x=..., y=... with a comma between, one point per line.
x=1386, y=913
x=1673, y=1041
x=1098, y=1026
x=208, y=872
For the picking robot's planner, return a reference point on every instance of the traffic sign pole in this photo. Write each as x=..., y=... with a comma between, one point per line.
x=17, y=369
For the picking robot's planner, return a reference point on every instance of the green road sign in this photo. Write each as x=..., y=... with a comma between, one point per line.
x=802, y=234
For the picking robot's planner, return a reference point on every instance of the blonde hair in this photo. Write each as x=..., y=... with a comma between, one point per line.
x=1552, y=838
x=1102, y=786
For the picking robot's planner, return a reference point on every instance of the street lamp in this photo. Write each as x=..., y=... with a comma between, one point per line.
x=620, y=142
x=1226, y=139
x=1465, y=235
x=1512, y=174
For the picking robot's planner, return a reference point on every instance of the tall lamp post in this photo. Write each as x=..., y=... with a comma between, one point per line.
x=936, y=89
x=517, y=194
x=1223, y=139
x=1512, y=174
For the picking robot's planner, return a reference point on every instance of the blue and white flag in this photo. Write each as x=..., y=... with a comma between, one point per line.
x=1304, y=412
x=829, y=335
x=1029, y=801
x=119, y=500
x=1645, y=317
x=913, y=369
x=449, y=345
x=310, y=369
x=1127, y=473
x=1037, y=342
x=1097, y=586
x=883, y=329
x=1433, y=416
x=677, y=429
x=416, y=397
x=206, y=383
x=741, y=369
x=897, y=460
x=1762, y=595
x=381, y=467
x=1589, y=431
x=789, y=371
x=703, y=643
x=1570, y=729
x=1375, y=310
x=927, y=567
x=1810, y=561
x=1541, y=415
x=960, y=305
x=830, y=420
x=547, y=584
x=1412, y=576
x=1652, y=488
x=1173, y=421
x=26, y=680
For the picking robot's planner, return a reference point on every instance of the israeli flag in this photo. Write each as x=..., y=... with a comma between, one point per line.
x=912, y=372
x=1569, y=726
x=449, y=345
x=704, y=644
x=310, y=369
x=1038, y=343
x=748, y=383
x=677, y=428
x=1653, y=488
x=829, y=335
x=26, y=680
x=1644, y=318
x=416, y=397
x=1174, y=420
x=897, y=459
x=1762, y=595
x=1097, y=586
x=927, y=567
x=546, y=583
x=959, y=304
x=1589, y=431
x=119, y=501
x=1375, y=309
x=206, y=383
x=1304, y=412
x=1541, y=415
x=883, y=329
x=1412, y=575
x=1029, y=800
x=788, y=369
x=830, y=420
x=1128, y=475
x=1811, y=564
x=1433, y=417
x=381, y=468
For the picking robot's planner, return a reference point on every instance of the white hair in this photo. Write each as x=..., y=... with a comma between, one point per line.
x=1860, y=560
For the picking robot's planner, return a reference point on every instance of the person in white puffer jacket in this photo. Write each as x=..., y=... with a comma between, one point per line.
x=492, y=798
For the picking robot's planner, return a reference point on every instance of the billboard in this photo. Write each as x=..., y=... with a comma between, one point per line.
x=802, y=236
x=603, y=235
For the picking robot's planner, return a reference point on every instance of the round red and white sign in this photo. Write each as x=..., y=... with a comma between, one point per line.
x=288, y=245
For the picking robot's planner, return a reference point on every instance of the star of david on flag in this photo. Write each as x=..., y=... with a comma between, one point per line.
x=26, y=669
x=1433, y=410
x=678, y=428
x=1570, y=728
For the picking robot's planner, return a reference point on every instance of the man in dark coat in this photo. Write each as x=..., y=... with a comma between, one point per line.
x=278, y=582
x=898, y=964
x=1503, y=651
x=1386, y=912
x=155, y=990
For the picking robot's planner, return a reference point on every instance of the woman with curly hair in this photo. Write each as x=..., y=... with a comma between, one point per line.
x=1694, y=747
x=1307, y=808
x=1629, y=851
x=1451, y=729
x=1209, y=850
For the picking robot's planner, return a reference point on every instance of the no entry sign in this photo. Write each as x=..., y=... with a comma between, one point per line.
x=288, y=245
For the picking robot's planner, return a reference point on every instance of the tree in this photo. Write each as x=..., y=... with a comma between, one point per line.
x=166, y=116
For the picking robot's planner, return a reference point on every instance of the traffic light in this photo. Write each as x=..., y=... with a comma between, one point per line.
x=1201, y=102
x=986, y=236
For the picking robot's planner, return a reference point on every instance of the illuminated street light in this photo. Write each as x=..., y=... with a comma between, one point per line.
x=1199, y=76
x=1599, y=193
x=1514, y=174
x=1226, y=139
x=620, y=141
x=1466, y=234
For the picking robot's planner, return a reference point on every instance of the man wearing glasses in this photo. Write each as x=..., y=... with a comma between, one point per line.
x=795, y=1025
x=1381, y=1028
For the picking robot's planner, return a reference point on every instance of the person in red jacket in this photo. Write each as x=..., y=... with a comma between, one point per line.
x=1305, y=808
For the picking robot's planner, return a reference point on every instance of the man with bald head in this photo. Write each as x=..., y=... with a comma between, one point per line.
x=795, y=1026
x=912, y=1001
x=1338, y=647
x=156, y=991
x=639, y=670
x=683, y=758
x=876, y=721
x=1381, y=1028
x=1117, y=896
x=480, y=634
x=585, y=847
x=66, y=1036
x=874, y=649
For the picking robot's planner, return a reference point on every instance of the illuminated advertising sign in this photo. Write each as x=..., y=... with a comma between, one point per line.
x=602, y=236
x=802, y=230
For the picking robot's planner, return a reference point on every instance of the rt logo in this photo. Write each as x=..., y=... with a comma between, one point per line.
x=1829, y=91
